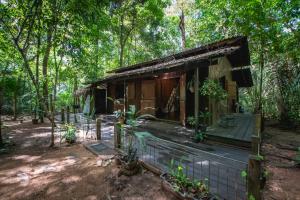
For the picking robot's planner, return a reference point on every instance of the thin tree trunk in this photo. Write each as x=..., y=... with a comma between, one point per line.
x=1, y=97
x=15, y=99
x=182, y=29
x=261, y=64
x=37, y=71
x=52, y=108
x=121, y=41
x=45, y=64
x=75, y=99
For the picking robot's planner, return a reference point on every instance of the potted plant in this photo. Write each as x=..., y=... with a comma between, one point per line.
x=70, y=134
x=129, y=160
x=190, y=86
x=181, y=187
x=119, y=114
x=204, y=116
x=213, y=89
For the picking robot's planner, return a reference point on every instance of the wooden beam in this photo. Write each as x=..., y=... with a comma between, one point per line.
x=196, y=86
x=182, y=91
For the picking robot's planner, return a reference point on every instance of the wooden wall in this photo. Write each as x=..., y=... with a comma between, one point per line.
x=133, y=93
x=216, y=72
x=148, y=99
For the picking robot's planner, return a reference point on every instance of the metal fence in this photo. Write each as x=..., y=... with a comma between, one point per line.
x=222, y=174
x=86, y=126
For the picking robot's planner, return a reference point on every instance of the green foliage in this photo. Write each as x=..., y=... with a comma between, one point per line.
x=183, y=183
x=259, y=157
x=191, y=120
x=251, y=197
x=200, y=136
x=70, y=134
x=244, y=174
x=204, y=116
x=213, y=89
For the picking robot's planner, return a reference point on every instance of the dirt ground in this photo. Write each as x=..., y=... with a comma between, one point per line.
x=279, y=150
x=34, y=171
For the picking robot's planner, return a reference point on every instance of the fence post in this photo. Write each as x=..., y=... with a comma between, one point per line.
x=68, y=114
x=117, y=135
x=256, y=136
x=63, y=115
x=98, y=128
x=254, y=165
x=253, y=177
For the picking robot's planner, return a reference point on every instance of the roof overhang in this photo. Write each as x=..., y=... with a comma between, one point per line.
x=242, y=77
x=183, y=64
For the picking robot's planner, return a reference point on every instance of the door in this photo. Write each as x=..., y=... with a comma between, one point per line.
x=148, y=97
x=100, y=101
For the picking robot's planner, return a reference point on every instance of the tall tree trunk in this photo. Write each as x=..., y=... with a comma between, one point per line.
x=182, y=29
x=261, y=65
x=37, y=75
x=45, y=64
x=1, y=97
x=15, y=102
x=75, y=99
x=121, y=41
x=52, y=109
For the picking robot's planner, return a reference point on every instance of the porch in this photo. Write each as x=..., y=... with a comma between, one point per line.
x=233, y=129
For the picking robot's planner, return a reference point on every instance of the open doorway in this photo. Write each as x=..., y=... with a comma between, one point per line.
x=168, y=104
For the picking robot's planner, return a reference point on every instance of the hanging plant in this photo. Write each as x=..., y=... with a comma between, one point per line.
x=213, y=89
x=190, y=86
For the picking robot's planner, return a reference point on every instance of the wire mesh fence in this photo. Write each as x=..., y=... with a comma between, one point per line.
x=222, y=174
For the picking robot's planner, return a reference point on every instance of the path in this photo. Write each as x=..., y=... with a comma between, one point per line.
x=32, y=170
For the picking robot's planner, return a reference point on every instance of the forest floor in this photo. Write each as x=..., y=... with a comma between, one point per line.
x=279, y=151
x=32, y=170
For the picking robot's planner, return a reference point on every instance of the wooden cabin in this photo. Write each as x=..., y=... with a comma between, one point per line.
x=161, y=87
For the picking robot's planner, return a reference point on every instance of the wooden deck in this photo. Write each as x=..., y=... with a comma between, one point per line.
x=239, y=127
x=233, y=129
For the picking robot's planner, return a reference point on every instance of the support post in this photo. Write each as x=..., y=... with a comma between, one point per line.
x=256, y=136
x=68, y=114
x=98, y=128
x=253, y=177
x=63, y=115
x=182, y=92
x=196, y=86
x=117, y=135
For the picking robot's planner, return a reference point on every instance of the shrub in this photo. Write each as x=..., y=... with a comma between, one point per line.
x=70, y=134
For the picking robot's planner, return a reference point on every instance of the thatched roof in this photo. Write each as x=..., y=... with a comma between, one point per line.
x=171, y=65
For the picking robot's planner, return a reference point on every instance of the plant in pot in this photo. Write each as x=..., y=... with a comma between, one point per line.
x=213, y=89
x=70, y=134
x=120, y=115
x=190, y=86
x=180, y=186
x=204, y=116
x=129, y=161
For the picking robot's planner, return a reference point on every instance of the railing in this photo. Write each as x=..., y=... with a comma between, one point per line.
x=222, y=174
x=87, y=127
